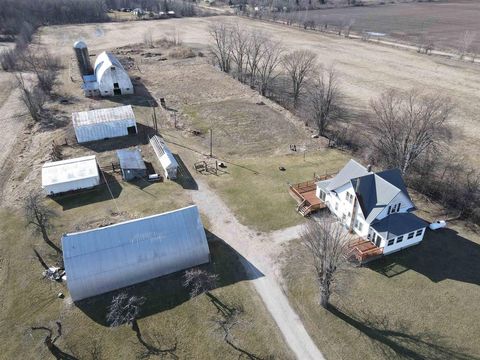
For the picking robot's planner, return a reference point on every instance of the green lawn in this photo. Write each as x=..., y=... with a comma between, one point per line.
x=421, y=303
x=257, y=191
x=168, y=317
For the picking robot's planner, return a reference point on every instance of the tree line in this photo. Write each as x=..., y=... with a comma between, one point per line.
x=408, y=129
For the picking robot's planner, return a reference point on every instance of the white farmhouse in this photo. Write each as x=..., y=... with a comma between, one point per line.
x=102, y=124
x=375, y=206
x=112, y=79
x=115, y=256
x=69, y=175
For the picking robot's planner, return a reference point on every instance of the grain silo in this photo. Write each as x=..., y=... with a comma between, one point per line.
x=83, y=59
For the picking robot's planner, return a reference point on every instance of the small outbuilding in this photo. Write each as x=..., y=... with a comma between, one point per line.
x=165, y=156
x=112, y=78
x=131, y=164
x=104, y=123
x=112, y=257
x=69, y=175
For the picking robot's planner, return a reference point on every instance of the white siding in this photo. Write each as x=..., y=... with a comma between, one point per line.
x=71, y=185
x=404, y=244
x=104, y=130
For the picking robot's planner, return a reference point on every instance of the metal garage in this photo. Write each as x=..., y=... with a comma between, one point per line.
x=116, y=256
x=104, y=123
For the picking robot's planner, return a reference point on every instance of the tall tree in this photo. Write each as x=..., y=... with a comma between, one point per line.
x=222, y=45
x=327, y=243
x=324, y=98
x=38, y=216
x=267, y=68
x=298, y=65
x=407, y=124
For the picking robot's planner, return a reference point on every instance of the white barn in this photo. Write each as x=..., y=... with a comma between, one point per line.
x=112, y=79
x=104, y=123
x=112, y=257
x=165, y=156
x=68, y=175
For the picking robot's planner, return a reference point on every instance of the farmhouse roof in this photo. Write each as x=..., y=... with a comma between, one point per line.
x=69, y=170
x=351, y=170
x=398, y=224
x=130, y=159
x=84, y=118
x=123, y=254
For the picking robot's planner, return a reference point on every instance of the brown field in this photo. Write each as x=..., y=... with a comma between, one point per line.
x=443, y=22
x=365, y=69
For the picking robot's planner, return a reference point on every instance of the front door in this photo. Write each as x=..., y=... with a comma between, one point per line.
x=378, y=241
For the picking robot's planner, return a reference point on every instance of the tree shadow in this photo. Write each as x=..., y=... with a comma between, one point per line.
x=443, y=254
x=104, y=192
x=395, y=340
x=167, y=292
x=184, y=177
x=122, y=142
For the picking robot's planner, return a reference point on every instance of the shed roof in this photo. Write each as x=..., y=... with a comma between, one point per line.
x=119, y=255
x=163, y=153
x=69, y=170
x=398, y=224
x=130, y=159
x=98, y=116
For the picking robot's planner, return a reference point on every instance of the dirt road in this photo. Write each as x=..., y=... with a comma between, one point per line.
x=366, y=69
x=259, y=252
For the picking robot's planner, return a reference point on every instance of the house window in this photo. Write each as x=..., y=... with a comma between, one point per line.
x=390, y=242
x=398, y=207
x=399, y=239
x=411, y=235
x=389, y=209
x=358, y=224
x=344, y=217
x=419, y=232
x=336, y=206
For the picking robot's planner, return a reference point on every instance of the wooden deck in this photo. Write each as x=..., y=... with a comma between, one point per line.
x=304, y=194
x=365, y=251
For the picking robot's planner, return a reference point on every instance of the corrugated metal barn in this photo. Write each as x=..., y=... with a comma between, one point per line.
x=111, y=77
x=68, y=175
x=104, y=123
x=165, y=156
x=116, y=256
x=131, y=164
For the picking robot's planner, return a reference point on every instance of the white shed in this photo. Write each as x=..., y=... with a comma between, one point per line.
x=165, y=156
x=68, y=175
x=104, y=123
x=112, y=257
x=111, y=77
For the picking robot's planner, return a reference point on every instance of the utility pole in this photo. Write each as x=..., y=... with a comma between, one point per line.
x=211, y=141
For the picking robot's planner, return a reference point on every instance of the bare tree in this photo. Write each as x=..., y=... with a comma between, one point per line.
x=348, y=27
x=222, y=47
x=327, y=243
x=255, y=53
x=33, y=97
x=271, y=59
x=239, y=48
x=298, y=65
x=324, y=98
x=125, y=309
x=199, y=281
x=407, y=124
x=38, y=215
x=466, y=42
